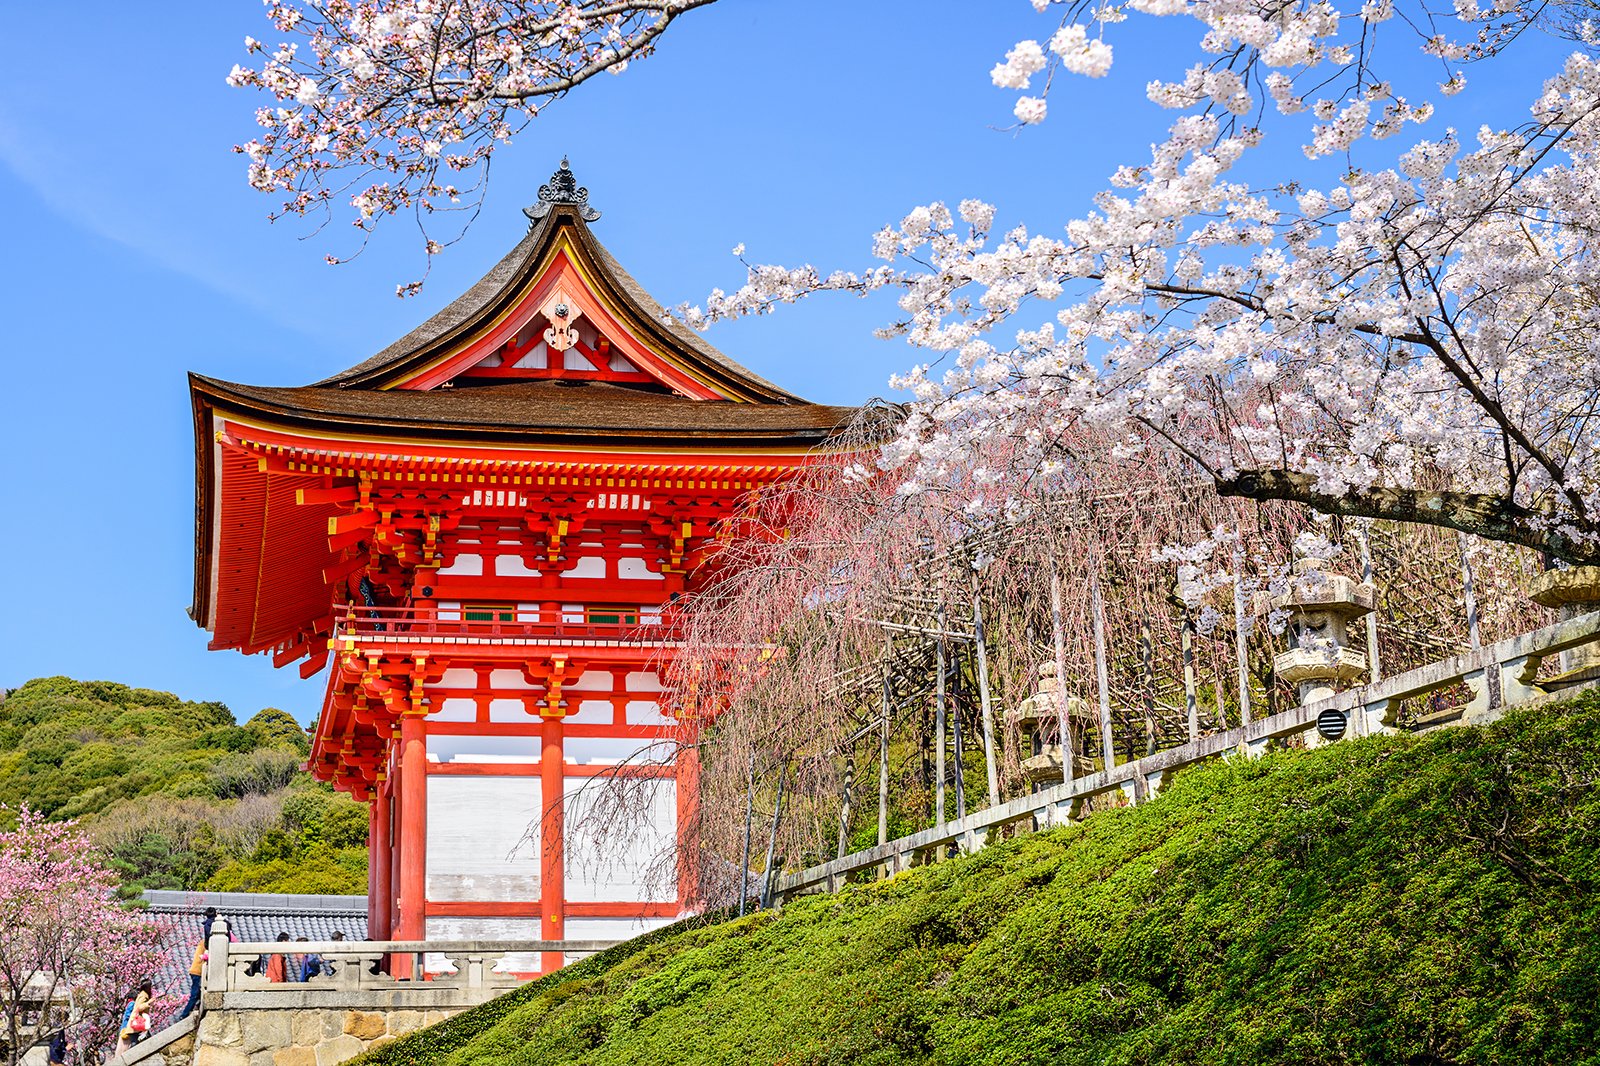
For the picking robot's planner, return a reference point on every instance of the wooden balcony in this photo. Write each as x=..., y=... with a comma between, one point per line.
x=406, y=628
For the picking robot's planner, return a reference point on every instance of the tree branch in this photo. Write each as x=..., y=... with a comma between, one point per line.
x=1480, y=514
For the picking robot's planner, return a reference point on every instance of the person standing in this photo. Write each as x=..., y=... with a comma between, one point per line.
x=60, y=1048
x=197, y=968
x=136, y=1023
x=310, y=965
x=277, y=963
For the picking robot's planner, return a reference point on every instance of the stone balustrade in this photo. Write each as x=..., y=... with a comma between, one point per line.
x=358, y=973
x=354, y=1003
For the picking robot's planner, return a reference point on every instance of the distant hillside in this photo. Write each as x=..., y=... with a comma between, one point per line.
x=179, y=794
x=1421, y=900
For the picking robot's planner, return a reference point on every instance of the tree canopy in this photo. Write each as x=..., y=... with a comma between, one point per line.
x=1408, y=335
x=177, y=793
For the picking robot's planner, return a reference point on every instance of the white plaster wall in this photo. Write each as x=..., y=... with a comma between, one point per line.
x=591, y=681
x=452, y=928
x=637, y=569
x=512, y=566
x=611, y=928
x=611, y=751
x=509, y=679
x=464, y=565
x=453, y=747
x=455, y=709
x=593, y=712
x=645, y=712
x=643, y=681
x=588, y=566
x=614, y=855
x=510, y=710
x=498, y=859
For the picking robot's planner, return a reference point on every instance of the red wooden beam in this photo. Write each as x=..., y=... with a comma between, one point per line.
x=337, y=494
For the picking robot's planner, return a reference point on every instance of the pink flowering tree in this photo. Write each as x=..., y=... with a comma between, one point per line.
x=393, y=106
x=1401, y=326
x=69, y=953
x=1409, y=334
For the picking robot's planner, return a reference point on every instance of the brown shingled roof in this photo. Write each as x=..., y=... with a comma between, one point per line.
x=536, y=409
x=499, y=287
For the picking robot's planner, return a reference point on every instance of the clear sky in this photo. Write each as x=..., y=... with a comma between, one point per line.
x=136, y=251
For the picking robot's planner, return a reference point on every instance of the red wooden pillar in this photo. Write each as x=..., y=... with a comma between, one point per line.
x=552, y=841
x=397, y=806
x=413, y=829
x=688, y=835
x=373, y=901
x=380, y=877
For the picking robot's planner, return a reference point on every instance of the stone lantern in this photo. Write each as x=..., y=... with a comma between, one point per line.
x=1035, y=717
x=1572, y=591
x=1321, y=607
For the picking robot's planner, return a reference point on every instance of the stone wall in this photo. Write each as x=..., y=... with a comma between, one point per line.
x=306, y=1036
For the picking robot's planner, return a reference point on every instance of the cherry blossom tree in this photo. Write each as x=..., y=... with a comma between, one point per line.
x=398, y=105
x=1399, y=332
x=1416, y=339
x=69, y=953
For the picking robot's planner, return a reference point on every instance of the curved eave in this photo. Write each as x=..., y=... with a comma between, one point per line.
x=204, y=471
x=497, y=290
x=788, y=427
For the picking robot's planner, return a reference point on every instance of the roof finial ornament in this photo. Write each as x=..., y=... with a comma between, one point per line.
x=561, y=189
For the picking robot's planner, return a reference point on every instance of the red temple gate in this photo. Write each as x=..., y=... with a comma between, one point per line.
x=482, y=533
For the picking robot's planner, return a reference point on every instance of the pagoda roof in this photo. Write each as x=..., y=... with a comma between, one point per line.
x=556, y=359
x=499, y=290
x=532, y=412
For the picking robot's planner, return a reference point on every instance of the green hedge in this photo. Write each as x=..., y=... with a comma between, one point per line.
x=1423, y=900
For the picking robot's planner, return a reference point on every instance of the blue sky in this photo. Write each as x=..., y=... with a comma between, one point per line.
x=137, y=252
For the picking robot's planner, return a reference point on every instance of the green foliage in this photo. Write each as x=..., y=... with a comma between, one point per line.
x=273, y=728
x=176, y=792
x=1386, y=900
x=319, y=846
x=281, y=867
x=257, y=772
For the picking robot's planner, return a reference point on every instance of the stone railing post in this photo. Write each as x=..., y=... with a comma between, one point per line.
x=216, y=971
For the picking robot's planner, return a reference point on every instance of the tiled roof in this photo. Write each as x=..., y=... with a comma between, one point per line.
x=254, y=917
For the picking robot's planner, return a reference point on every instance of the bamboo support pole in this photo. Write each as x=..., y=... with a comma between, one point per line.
x=1374, y=667
x=883, y=768
x=844, y=806
x=772, y=839
x=1101, y=672
x=1241, y=641
x=1147, y=686
x=958, y=750
x=1469, y=595
x=749, y=815
x=940, y=771
x=1191, y=701
x=987, y=716
x=1059, y=635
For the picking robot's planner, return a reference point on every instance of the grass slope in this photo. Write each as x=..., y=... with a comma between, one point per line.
x=1419, y=900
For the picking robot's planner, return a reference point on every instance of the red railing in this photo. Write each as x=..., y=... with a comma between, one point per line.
x=433, y=622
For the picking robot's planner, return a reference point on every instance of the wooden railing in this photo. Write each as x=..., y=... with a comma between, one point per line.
x=401, y=624
x=1498, y=676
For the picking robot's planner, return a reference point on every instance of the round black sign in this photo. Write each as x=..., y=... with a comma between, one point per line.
x=1331, y=724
